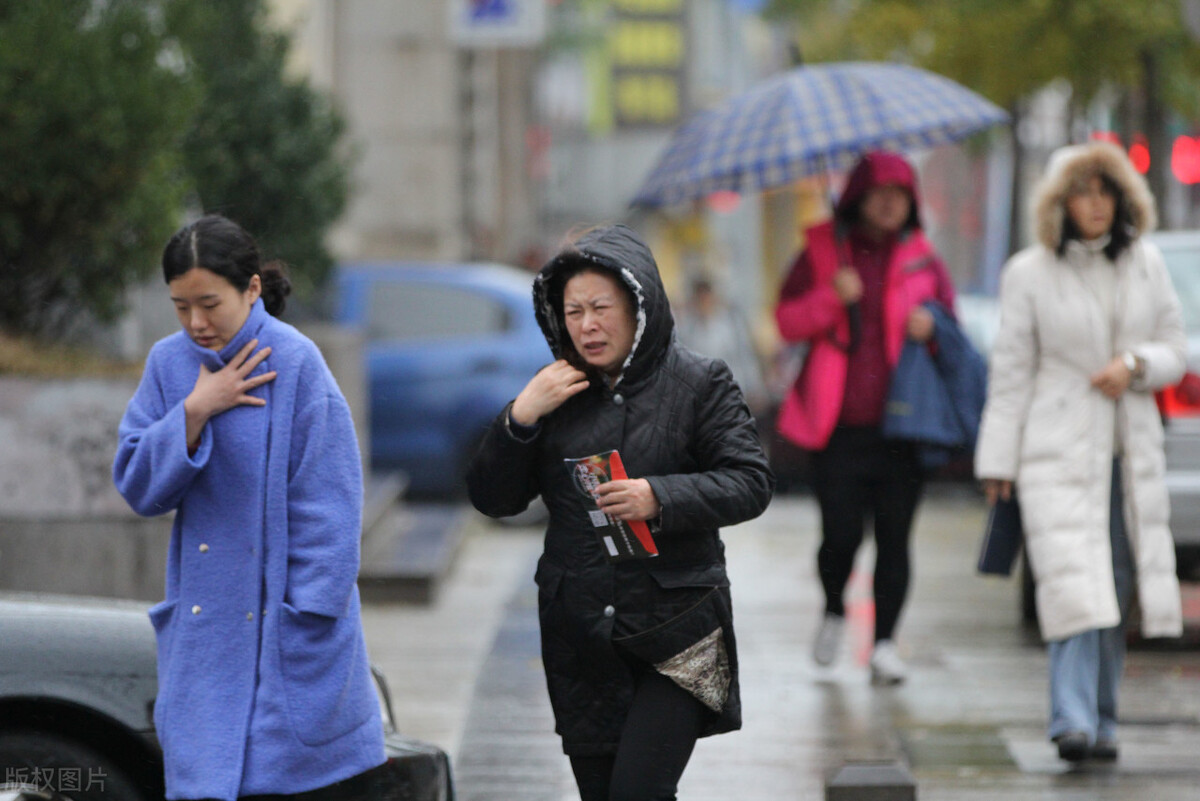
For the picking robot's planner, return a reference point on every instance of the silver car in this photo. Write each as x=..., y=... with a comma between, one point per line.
x=1181, y=251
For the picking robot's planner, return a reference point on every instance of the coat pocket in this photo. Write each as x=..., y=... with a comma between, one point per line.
x=162, y=618
x=326, y=675
x=693, y=646
x=689, y=604
x=675, y=577
x=548, y=578
x=1056, y=423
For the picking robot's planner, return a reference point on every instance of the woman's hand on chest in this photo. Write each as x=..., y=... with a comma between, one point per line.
x=216, y=392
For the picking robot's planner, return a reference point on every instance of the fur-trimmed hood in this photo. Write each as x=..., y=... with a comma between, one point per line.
x=620, y=251
x=1075, y=163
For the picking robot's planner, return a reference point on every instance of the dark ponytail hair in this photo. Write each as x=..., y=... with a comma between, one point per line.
x=221, y=246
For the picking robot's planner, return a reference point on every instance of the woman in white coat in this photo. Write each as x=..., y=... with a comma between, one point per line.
x=1090, y=326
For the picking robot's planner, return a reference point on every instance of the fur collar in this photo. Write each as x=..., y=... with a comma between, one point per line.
x=1079, y=162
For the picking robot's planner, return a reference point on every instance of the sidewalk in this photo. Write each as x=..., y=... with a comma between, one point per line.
x=969, y=723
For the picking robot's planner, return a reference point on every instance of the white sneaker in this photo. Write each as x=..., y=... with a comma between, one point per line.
x=829, y=639
x=886, y=666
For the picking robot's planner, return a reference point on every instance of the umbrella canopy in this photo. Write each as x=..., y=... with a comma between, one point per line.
x=809, y=119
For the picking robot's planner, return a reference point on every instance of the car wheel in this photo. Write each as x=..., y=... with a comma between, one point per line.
x=38, y=765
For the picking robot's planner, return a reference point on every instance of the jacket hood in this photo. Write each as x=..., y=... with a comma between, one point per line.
x=620, y=251
x=878, y=168
x=1076, y=163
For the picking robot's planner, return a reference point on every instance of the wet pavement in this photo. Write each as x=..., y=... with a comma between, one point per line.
x=969, y=722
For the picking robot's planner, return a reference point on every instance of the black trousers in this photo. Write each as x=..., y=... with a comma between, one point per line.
x=662, y=728
x=861, y=473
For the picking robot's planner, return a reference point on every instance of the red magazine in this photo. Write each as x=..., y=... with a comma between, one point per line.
x=621, y=539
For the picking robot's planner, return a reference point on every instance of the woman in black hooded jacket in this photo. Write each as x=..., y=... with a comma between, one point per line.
x=639, y=654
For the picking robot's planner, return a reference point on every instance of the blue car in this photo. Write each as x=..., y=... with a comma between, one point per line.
x=447, y=345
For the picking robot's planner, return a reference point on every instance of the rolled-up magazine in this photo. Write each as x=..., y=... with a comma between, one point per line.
x=621, y=539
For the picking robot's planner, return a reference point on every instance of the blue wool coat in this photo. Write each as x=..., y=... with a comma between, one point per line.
x=264, y=684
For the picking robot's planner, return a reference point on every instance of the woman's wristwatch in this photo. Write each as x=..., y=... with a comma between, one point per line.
x=1136, y=365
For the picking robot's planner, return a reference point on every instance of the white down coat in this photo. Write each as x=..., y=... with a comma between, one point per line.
x=1045, y=427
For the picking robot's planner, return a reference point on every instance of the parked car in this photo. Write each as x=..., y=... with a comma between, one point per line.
x=447, y=346
x=1181, y=403
x=77, y=689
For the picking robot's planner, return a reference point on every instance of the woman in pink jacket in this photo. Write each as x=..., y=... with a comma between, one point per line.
x=853, y=296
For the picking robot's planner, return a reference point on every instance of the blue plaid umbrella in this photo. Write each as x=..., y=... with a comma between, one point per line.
x=810, y=119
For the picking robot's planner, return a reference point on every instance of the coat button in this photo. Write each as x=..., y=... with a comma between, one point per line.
x=204, y=547
x=618, y=399
x=249, y=616
x=609, y=610
x=196, y=609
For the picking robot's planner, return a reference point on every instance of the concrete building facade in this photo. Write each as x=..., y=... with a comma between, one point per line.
x=439, y=131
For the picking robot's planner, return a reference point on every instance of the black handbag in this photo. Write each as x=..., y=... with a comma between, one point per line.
x=1002, y=537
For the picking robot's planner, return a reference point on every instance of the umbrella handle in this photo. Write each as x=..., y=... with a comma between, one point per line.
x=854, y=312
x=854, y=315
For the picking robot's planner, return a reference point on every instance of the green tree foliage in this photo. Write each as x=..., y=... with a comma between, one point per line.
x=1008, y=50
x=265, y=150
x=1005, y=50
x=91, y=115
x=116, y=116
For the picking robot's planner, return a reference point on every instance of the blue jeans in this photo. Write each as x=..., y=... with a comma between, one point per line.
x=1085, y=670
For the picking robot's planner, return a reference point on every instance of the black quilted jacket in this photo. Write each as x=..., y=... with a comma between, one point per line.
x=678, y=420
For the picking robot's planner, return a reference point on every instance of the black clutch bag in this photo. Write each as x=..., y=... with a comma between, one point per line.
x=1001, y=538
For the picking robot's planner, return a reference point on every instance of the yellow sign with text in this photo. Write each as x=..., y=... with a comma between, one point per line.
x=647, y=57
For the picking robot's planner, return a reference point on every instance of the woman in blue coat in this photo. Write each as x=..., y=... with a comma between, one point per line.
x=239, y=428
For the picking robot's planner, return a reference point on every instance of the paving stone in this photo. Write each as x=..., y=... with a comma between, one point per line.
x=871, y=781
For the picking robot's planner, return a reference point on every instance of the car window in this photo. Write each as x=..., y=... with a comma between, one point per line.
x=409, y=311
x=1184, y=266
